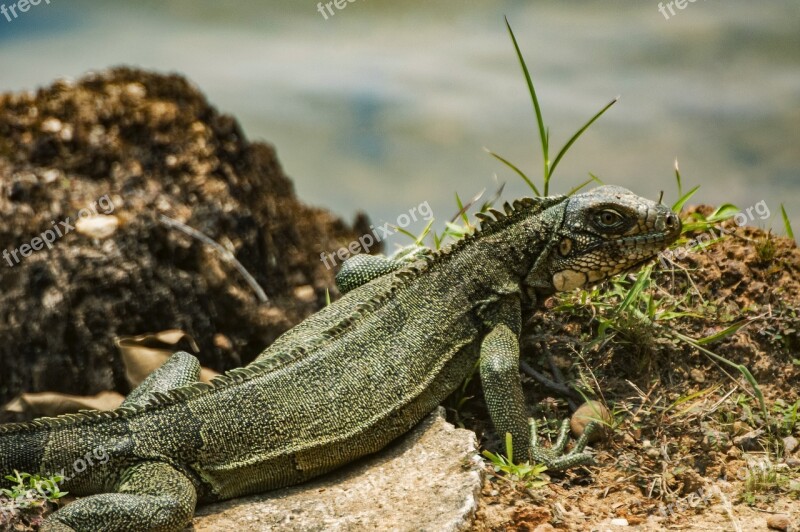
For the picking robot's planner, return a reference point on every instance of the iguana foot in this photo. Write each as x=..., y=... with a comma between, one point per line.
x=554, y=457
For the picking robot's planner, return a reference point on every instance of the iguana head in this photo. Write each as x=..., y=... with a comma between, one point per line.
x=604, y=232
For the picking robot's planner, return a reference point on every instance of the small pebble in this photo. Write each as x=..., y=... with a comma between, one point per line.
x=790, y=443
x=779, y=522
x=305, y=293
x=749, y=441
x=740, y=428
x=653, y=453
x=619, y=521
x=51, y=175
x=697, y=375
x=136, y=91
x=585, y=414
x=100, y=226
x=51, y=125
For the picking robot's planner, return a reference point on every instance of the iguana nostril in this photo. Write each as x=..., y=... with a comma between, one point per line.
x=673, y=223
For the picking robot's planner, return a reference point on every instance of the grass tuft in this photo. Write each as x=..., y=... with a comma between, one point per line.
x=544, y=132
x=531, y=474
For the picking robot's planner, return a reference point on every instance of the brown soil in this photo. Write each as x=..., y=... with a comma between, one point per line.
x=153, y=145
x=679, y=412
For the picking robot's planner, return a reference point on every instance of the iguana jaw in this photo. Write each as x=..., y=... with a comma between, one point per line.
x=643, y=247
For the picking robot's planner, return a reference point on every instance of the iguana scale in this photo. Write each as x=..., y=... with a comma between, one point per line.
x=349, y=379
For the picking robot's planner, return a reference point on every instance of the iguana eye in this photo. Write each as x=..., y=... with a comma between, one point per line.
x=564, y=247
x=609, y=218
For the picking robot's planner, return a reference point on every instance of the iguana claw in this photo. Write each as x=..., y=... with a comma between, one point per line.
x=554, y=457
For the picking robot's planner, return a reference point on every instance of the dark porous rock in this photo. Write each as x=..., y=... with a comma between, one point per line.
x=131, y=146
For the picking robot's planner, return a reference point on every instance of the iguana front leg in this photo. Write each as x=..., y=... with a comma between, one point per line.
x=152, y=496
x=181, y=369
x=362, y=269
x=502, y=390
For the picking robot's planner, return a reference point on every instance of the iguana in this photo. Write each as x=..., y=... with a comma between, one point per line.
x=349, y=379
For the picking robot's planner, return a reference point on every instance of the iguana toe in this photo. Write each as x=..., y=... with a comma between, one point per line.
x=554, y=458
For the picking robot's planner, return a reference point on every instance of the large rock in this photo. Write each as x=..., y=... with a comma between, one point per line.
x=429, y=480
x=137, y=145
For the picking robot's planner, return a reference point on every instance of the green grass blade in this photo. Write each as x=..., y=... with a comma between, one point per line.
x=636, y=289
x=575, y=137
x=542, y=133
x=691, y=397
x=461, y=210
x=517, y=170
x=723, y=333
x=548, y=171
x=437, y=240
x=678, y=179
x=600, y=181
x=683, y=199
x=787, y=224
x=722, y=213
x=425, y=232
x=490, y=202
x=412, y=236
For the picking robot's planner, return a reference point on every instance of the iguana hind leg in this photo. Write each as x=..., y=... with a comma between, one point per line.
x=181, y=369
x=151, y=496
x=502, y=389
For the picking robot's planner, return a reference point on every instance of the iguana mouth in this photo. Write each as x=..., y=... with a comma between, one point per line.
x=651, y=242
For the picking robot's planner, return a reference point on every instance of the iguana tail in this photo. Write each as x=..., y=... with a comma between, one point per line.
x=77, y=447
x=22, y=450
x=92, y=449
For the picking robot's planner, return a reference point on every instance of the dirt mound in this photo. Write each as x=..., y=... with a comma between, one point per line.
x=130, y=146
x=691, y=444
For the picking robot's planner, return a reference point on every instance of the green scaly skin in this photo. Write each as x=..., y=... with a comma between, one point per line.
x=349, y=379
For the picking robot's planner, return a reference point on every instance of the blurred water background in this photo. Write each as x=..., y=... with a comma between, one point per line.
x=386, y=105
